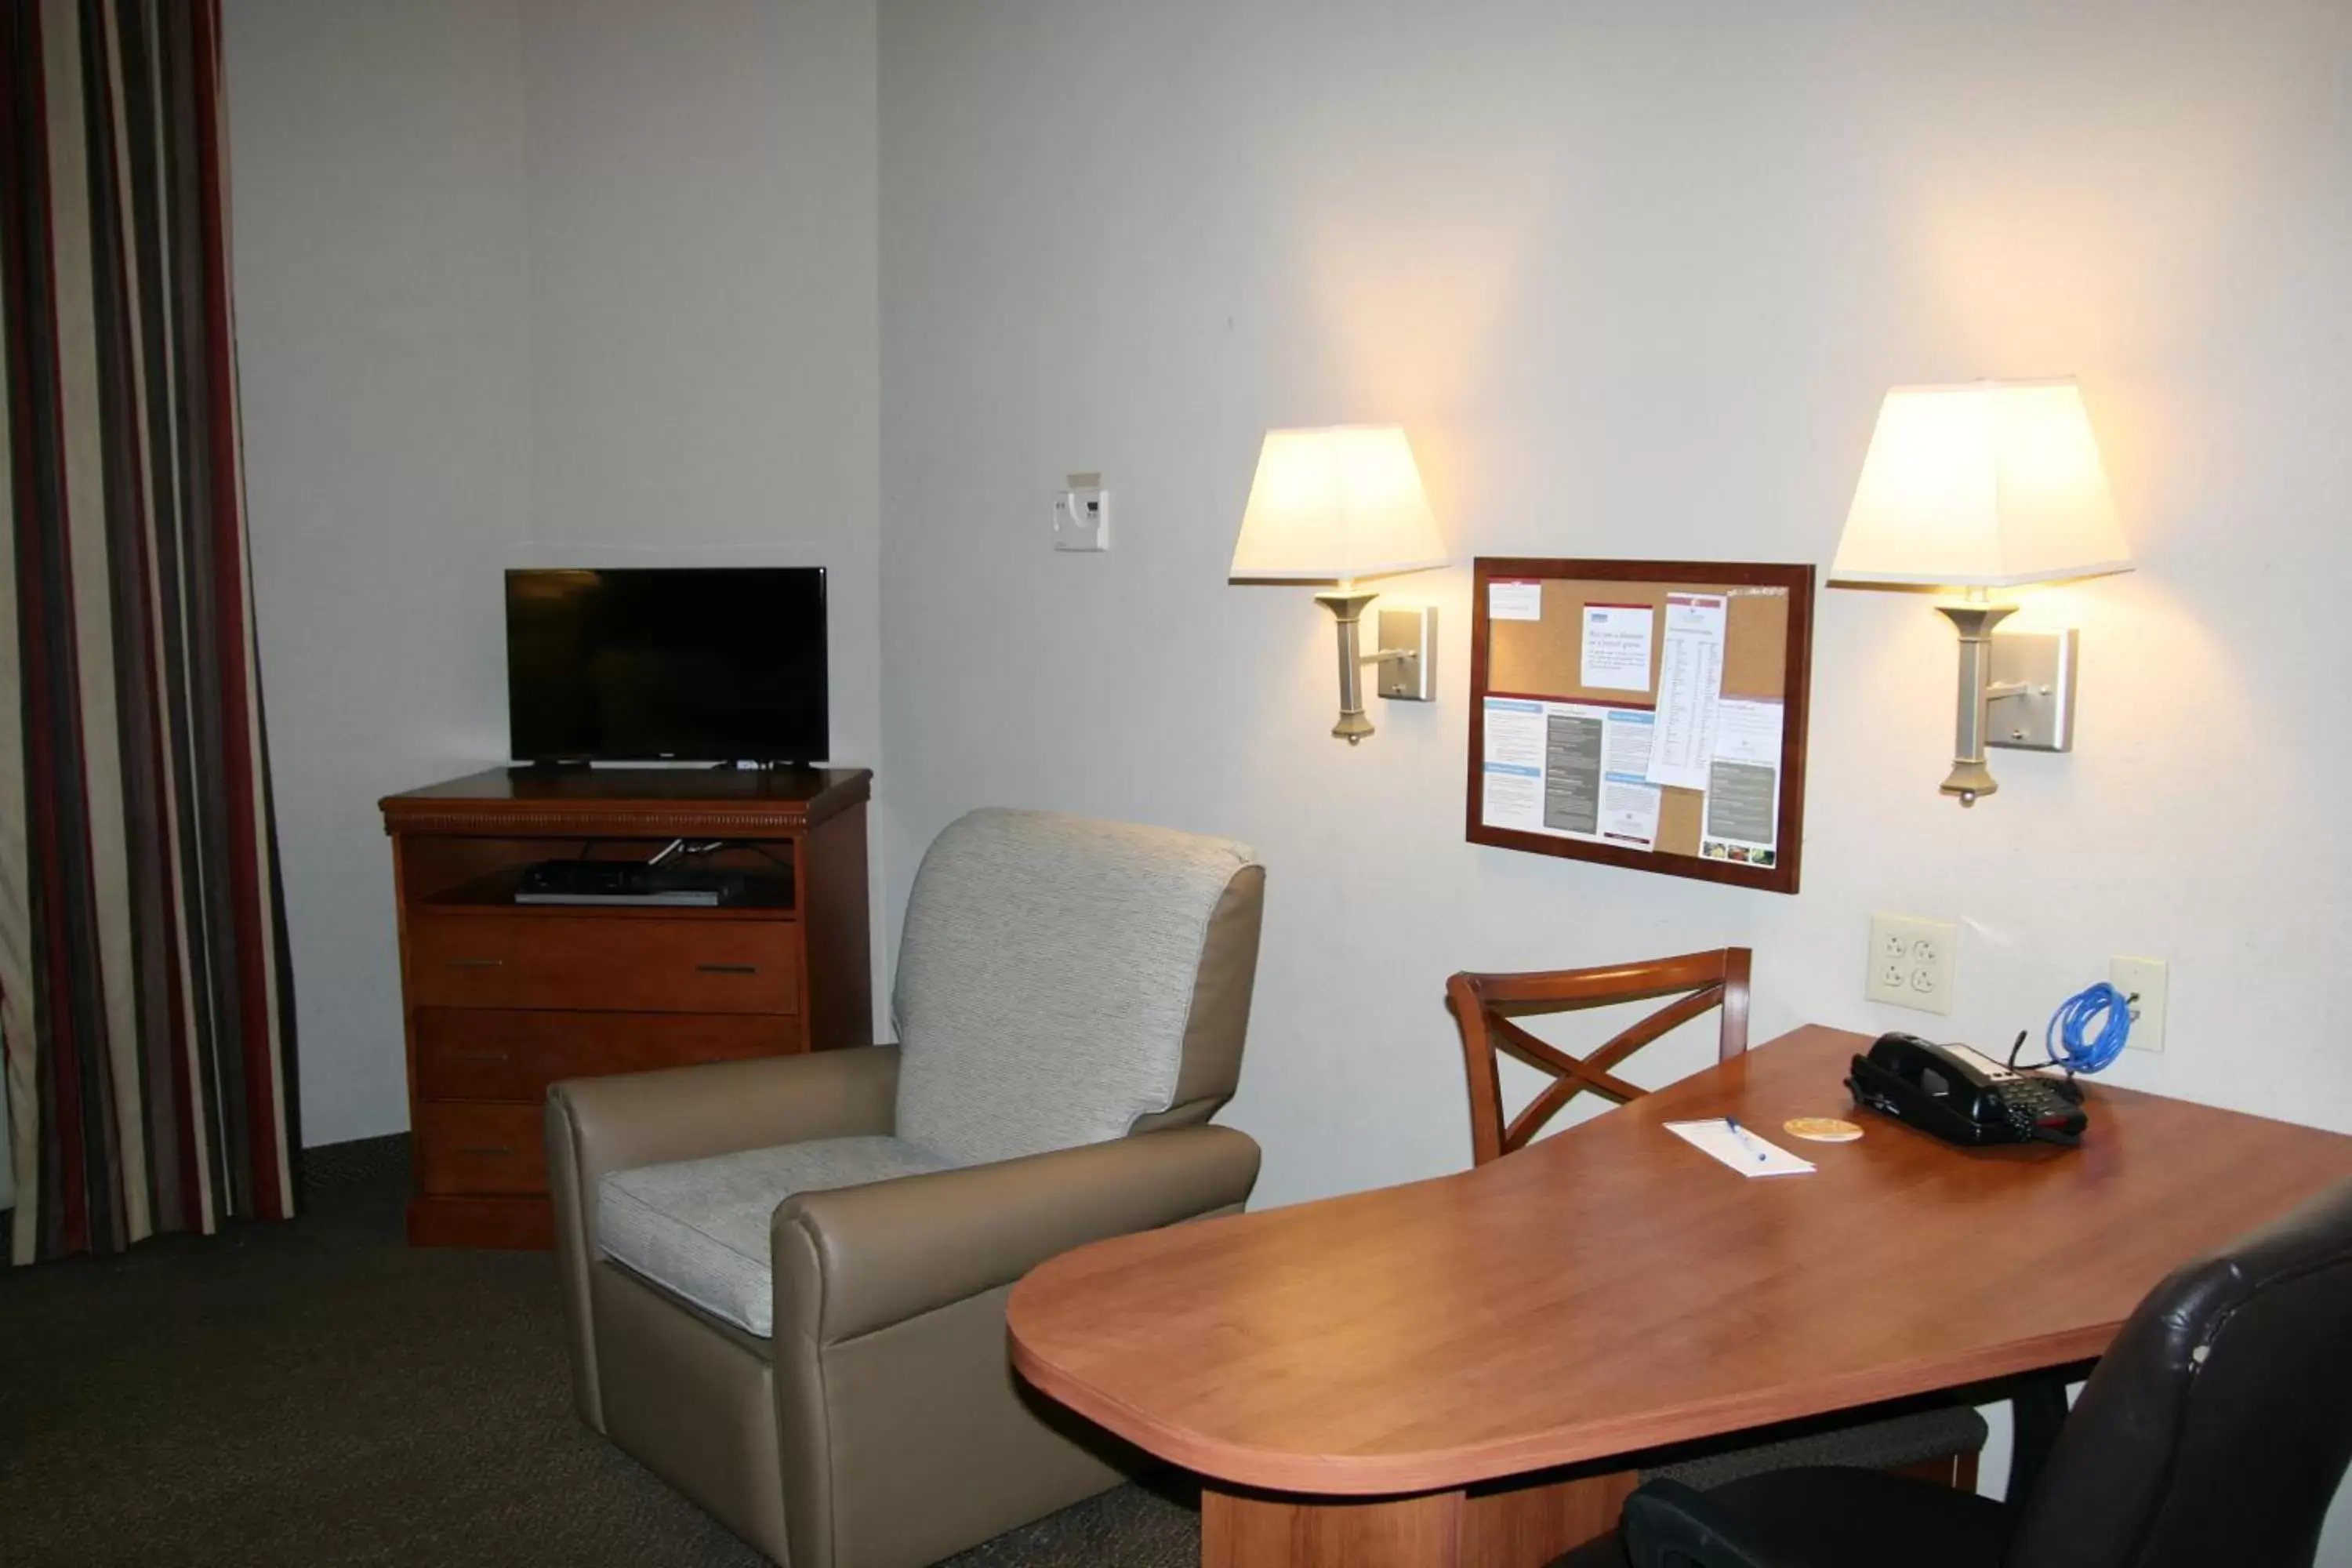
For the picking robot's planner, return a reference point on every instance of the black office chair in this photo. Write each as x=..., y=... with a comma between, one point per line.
x=2214, y=1432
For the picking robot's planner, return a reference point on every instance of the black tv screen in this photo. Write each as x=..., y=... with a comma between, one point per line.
x=712, y=664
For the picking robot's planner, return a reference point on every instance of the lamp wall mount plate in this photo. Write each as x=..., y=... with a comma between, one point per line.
x=2030, y=703
x=1408, y=654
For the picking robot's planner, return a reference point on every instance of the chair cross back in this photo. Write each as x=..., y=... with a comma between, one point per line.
x=1485, y=1006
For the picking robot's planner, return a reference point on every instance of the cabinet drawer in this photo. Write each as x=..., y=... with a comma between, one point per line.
x=600, y=964
x=477, y=1053
x=480, y=1148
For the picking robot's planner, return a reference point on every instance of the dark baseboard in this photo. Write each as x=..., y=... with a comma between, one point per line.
x=362, y=1163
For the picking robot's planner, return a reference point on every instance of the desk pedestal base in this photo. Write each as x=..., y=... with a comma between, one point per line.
x=1505, y=1526
x=1498, y=1524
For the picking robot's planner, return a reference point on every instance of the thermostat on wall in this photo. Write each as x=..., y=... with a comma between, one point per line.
x=1082, y=514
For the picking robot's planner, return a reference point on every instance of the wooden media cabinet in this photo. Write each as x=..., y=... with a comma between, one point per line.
x=504, y=998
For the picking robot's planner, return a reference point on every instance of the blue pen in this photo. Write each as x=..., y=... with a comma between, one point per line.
x=1763, y=1155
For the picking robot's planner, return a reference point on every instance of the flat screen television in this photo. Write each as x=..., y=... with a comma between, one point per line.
x=712, y=664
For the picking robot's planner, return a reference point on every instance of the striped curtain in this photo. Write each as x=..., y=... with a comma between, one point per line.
x=144, y=1009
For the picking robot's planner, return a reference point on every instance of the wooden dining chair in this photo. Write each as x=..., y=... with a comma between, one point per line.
x=1485, y=1006
x=1937, y=1441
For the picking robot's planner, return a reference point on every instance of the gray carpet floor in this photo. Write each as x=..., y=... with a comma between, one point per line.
x=316, y=1391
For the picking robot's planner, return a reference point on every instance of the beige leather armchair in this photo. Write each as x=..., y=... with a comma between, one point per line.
x=785, y=1278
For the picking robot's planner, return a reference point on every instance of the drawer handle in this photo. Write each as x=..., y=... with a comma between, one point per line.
x=479, y=1055
x=729, y=968
x=478, y=962
x=485, y=1149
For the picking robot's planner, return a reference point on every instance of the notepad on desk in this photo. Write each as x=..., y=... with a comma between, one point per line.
x=1739, y=1148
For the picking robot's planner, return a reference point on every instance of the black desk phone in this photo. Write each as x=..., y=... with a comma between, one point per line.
x=1964, y=1097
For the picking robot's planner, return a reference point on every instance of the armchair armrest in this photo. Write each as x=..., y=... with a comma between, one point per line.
x=597, y=1125
x=854, y=1259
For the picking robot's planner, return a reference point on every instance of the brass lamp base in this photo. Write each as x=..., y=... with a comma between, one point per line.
x=1346, y=606
x=1970, y=778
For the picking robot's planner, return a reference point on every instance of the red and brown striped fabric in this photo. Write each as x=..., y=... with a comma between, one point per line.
x=145, y=1013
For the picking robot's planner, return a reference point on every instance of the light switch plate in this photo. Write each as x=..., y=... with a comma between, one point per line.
x=1082, y=515
x=1911, y=962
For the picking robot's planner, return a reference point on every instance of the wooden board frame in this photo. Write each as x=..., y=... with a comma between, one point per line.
x=1796, y=677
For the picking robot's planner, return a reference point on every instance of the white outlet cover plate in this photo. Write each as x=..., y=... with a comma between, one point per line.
x=2148, y=979
x=1911, y=962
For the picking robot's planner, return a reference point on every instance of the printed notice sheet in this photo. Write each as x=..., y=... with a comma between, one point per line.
x=1569, y=770
x=1572, y=769
x=1629, y=802
x=1515, y=758
x=1617, y=646
x=1748, y=730
x=1690, y=679
x=1743, y=785
x=1514, y=599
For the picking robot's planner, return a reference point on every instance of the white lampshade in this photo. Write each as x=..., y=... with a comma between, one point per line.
x=1335, y=504
x=1987, y=484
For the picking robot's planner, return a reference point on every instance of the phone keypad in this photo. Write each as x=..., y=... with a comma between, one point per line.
x=2027, y=1101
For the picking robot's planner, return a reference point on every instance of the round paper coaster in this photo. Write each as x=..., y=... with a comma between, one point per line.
x=1822, y=1129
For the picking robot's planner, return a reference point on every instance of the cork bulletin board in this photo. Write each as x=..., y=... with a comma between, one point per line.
x=1648, y=714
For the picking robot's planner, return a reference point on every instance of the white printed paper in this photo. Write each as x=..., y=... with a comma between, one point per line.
x=1617, y=646
x=1632, y=735
x=1739, y=1148
x=1514, y=599
x=1514, y=756
x=1748, y=730
x=1629, y=802
x=1547, y=769
x=1690, y=679
x=1629, y=812
x=1742, y=814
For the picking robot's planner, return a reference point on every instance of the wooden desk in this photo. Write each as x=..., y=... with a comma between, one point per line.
x=1356, y=1381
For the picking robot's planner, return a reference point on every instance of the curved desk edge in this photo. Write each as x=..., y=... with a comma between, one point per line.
x=2025, y=1259
x=1404, y=1474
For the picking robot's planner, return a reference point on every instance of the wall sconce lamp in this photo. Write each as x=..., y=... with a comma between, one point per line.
x=1334, y=505
x=1986, y=485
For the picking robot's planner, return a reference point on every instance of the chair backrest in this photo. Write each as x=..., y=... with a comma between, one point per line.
x=1063, y=981
x=1484, y=1005
x=2217, y=1427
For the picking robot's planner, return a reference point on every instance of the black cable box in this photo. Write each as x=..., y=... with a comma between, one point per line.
x=625, y=882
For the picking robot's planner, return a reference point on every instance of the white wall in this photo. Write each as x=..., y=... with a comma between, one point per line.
x=376, y=161
x=1634, y=277
x=702, y=184
x=702, y=191
x=525, y=283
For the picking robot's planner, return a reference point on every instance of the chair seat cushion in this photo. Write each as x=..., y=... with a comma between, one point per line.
x=1863, y=1519
x=1883, y=1443
x=698, y=1228
x=1843, y=1518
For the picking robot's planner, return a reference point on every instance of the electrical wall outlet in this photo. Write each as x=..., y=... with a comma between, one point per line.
x=1911, y=962
x=2142, y=978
